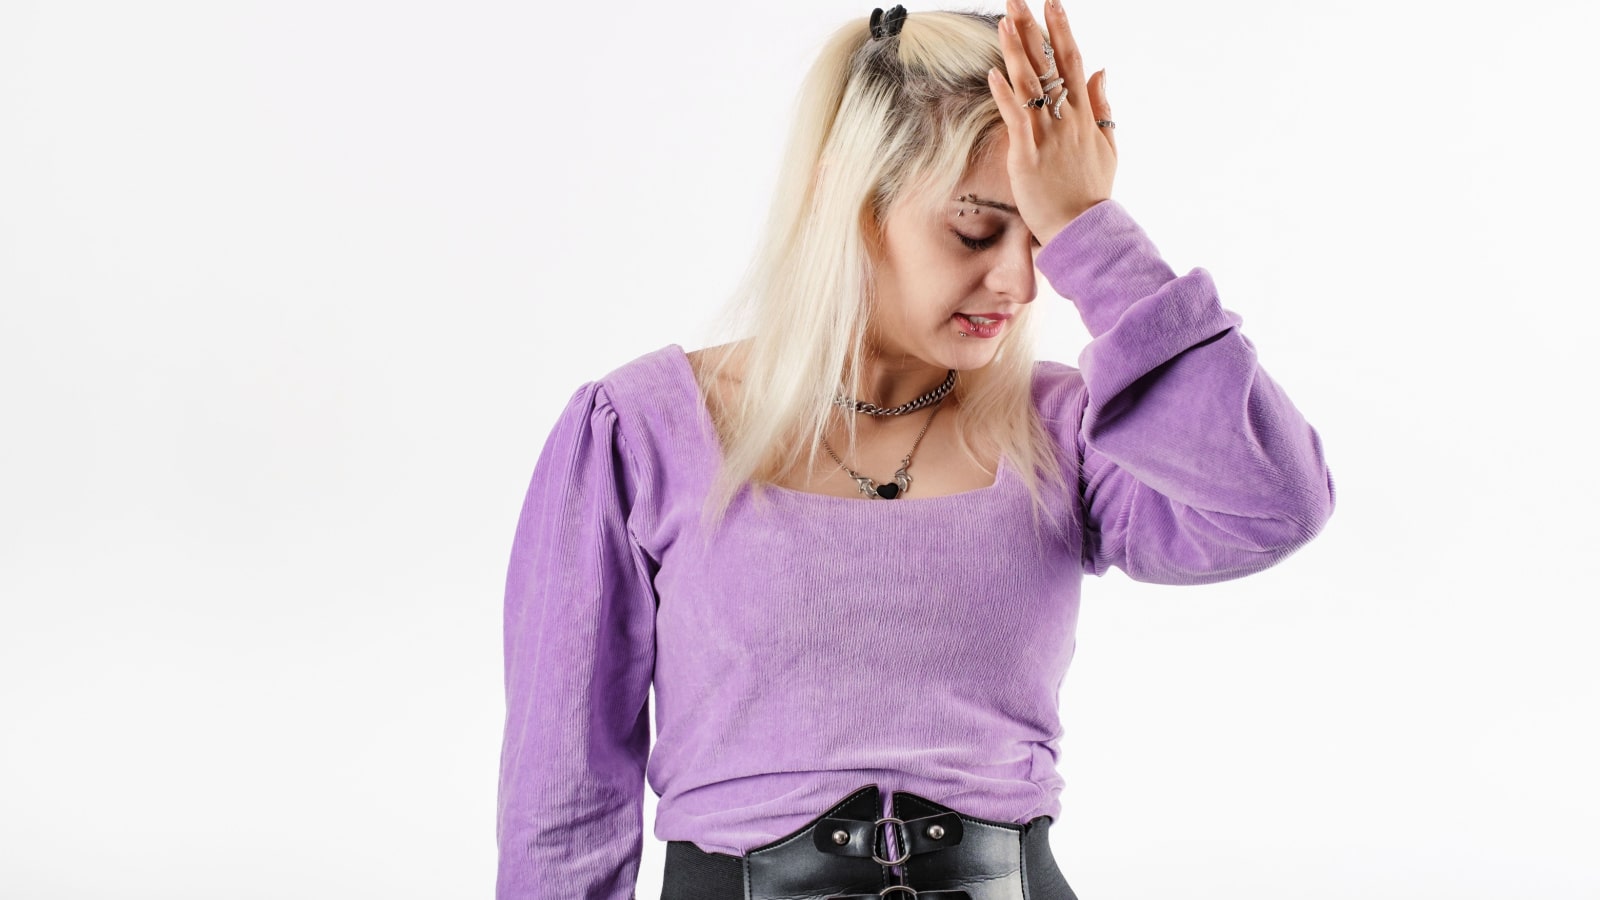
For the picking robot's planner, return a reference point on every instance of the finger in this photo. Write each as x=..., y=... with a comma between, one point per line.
x=1024, y=80
x=1069, y=62
x=1018, y=126
x=1032, y=33
x=1102, y=106
x=1036, y=44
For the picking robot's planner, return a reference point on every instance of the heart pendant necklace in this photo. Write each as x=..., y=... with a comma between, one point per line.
x=902, y=476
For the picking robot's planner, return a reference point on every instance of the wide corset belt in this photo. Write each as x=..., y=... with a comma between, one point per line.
x=853, y=852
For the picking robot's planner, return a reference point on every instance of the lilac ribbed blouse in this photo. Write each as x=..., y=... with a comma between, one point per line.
x=814, y=644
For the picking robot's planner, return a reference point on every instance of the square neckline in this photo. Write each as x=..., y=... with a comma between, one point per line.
x=714, y=442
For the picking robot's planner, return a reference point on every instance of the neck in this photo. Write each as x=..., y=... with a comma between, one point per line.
x=889, y=383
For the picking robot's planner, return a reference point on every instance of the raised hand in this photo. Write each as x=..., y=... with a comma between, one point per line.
x=1061, y=162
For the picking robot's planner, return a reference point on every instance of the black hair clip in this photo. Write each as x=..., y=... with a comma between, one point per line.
x=887, y=24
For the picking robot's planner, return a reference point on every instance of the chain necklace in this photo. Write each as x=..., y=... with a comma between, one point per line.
x=902, y=478
x=872, y=409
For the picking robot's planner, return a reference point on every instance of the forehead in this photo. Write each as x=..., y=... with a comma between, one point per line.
x=987, y=177
x=984, y=183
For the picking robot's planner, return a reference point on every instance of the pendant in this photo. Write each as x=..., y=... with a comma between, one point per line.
x=890, y=491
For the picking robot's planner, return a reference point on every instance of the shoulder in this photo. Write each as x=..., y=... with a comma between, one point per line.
x=633, y=403
x=640, y=392
x=659, y=416
x=635, y=416
x=654, y=379
x=631, y=387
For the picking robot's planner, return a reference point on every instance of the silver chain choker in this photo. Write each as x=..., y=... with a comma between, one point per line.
x=872, y=409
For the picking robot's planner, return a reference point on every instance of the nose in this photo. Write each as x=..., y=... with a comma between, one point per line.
x=1012, y=275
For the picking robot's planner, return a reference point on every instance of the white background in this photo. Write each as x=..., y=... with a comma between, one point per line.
x=291, y=293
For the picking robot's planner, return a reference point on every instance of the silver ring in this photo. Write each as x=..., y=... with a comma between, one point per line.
x=1105, y=123
x=1036, y=103
x=904, y=845
x=1059, y=100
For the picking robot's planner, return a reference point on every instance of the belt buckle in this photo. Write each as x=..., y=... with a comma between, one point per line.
x=900, y=835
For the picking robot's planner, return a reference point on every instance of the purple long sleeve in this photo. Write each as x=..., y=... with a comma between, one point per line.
x=1196, y=466
x=579, y=655
x=814, y=643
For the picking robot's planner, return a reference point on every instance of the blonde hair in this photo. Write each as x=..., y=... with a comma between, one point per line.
x=878, y=122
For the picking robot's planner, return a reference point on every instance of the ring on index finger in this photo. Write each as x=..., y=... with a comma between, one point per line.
x=1024, y=78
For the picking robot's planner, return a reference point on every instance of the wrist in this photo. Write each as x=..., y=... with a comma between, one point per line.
x=1048, y=234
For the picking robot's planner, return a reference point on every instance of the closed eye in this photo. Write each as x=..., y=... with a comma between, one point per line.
x=977, y=244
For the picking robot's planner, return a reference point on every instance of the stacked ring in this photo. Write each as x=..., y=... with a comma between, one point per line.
x=1051, y=80
x=1042, y=102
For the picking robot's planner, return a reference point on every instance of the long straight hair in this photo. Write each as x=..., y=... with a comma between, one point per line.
x=879, y=122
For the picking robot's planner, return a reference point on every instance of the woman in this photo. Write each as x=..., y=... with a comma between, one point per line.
x=856, y=697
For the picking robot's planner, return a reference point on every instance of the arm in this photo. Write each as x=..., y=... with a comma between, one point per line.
x=579, y=656
x=1196, y=467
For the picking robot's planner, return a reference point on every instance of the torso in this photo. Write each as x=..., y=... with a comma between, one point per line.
x=938, y=468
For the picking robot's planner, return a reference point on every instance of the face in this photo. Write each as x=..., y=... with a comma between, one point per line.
x=966, y=267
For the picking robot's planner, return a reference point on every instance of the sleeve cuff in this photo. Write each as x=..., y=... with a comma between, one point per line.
x=1103, y=262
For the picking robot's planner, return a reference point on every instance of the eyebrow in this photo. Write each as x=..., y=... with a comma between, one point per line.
x=993, y=204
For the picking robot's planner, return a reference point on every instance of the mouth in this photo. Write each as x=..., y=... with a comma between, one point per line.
x=980, y=325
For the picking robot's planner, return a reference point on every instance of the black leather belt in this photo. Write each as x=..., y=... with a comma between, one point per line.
x=853, y=852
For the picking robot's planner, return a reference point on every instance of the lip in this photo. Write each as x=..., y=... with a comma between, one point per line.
x=986, y=315
x=970, y=328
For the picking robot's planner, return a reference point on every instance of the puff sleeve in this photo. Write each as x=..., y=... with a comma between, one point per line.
x=1194, y=466
x=579, y=658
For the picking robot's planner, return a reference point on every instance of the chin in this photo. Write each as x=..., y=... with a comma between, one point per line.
x=970, y=354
